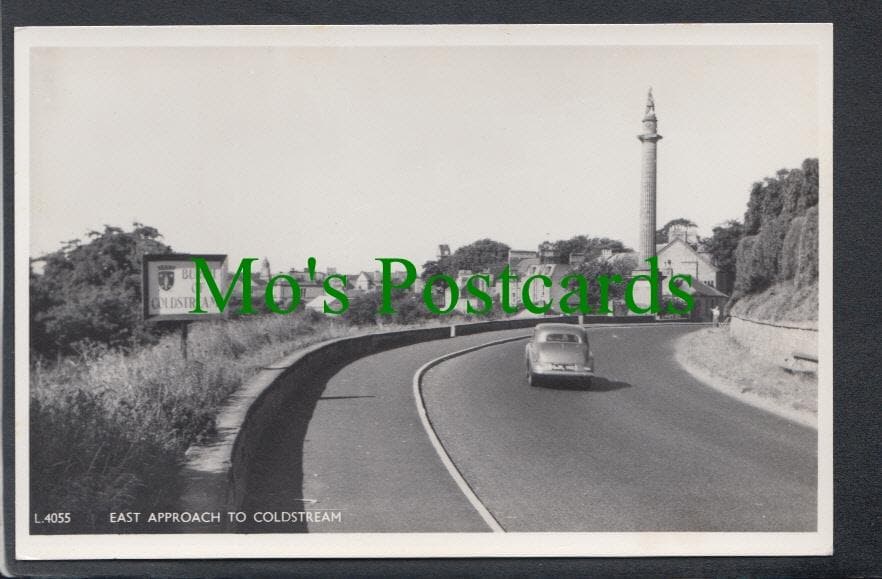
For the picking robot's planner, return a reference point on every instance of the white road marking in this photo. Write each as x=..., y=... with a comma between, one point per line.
x=463, y=485
x=436, y=442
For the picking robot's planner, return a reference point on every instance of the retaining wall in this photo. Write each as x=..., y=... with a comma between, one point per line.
x=215, y=473
x=783, y=343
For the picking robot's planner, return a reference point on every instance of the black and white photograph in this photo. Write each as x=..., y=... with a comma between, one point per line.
x=423, y=291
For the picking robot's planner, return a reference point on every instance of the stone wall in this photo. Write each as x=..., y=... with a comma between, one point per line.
x=783, y=343
x=215, y=474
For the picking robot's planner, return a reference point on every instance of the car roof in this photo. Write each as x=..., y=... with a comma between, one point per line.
x=569, y=328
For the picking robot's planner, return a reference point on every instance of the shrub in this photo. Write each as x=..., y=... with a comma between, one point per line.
x=109, y=428
x=91, y=291
x=791, y=253
x=781, y=226
x=807, y=272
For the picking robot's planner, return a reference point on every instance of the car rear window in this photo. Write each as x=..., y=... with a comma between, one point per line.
x=571, y=338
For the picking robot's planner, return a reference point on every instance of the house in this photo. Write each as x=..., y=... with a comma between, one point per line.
x=679, y=257
x=365, y=281
x=464, y=296
x=539, y=293
x=704, y=299
x=317, y=304
x=515, y=256
x=310, y=290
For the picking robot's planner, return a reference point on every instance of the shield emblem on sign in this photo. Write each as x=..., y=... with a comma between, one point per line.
x=166, y=279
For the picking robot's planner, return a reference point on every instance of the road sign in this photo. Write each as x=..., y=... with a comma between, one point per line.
x=168, y=287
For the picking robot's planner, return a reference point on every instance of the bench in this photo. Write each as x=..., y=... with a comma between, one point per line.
x=802, y=363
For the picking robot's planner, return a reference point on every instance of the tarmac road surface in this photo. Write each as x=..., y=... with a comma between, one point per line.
x=646, y=448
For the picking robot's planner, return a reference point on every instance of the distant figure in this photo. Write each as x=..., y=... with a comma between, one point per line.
x=715, y=311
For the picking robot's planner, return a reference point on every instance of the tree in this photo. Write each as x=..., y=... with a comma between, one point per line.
x=661, y=235
x=430, y=268
x=722, y=246
x=593, y=269
x=91, y=291
x=590, y=246
x=364, y=309
x=476, y=256
x=778, y=241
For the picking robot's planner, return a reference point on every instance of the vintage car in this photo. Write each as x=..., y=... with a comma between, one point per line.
x=559, y=351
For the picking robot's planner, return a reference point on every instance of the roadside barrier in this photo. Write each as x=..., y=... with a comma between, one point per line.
x=788, y=344
x=215, y=473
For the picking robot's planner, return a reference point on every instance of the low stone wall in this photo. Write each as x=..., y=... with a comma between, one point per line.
x=627, y=319
x=788, y=344
x=495, y=325
x=215, y=473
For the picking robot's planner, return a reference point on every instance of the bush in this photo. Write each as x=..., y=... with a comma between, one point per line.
x=408, y=308
x=781, y=223
x=751, y=276
x=807, y=272
x=91, y=292
x=105, y=423
x=109, y=427
x=363, y=309
x=791, y=251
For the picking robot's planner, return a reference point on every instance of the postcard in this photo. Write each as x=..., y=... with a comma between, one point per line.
x=423, y=291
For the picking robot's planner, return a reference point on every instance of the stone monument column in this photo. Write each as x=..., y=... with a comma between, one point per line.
x=642, y=289
x=649, y=138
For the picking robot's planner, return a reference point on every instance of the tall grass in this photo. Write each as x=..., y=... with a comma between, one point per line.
x=782, y=302
x=109, y=429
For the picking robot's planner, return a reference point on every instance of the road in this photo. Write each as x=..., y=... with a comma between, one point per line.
x=646, y=448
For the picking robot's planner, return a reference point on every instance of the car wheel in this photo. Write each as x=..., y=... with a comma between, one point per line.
x=588, y=382
x=533, y=379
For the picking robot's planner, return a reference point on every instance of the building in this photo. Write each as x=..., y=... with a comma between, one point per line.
x=317, y=304
x=679, y=257
x=365, y=281
x=464, y=297
x=704, y=299
x=541, y=294
x=520, y=262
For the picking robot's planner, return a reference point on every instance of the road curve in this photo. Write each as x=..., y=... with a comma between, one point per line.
x=646, y=448
x=353, y=442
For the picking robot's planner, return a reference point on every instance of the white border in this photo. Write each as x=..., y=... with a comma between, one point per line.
x=185, y=546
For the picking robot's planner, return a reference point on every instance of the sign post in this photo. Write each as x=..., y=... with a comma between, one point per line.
x=185, y=330
x=168, y=290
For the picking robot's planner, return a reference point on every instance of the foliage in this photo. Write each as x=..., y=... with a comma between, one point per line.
x=661, y=235
x=723, y=244
x=408, y=305
x=590, y=246
x=431, y=268
x=476, y=256
x=593, y=269
x=109, y=428
x=779, y=237
x=90, y=291
x=363, y=309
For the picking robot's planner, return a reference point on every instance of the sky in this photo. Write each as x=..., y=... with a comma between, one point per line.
x=352, y=153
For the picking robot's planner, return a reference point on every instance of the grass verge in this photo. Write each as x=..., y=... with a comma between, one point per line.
x=714, y=357
x=108, y=430
x=783, y=302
